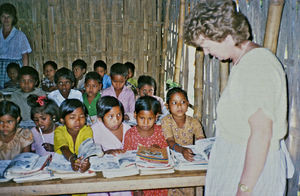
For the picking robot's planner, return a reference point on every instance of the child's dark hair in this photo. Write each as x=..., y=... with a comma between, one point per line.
x=79, y=63
x=51, y=63
x=41, y=104
x=64, y=73
x=93, y=76
x=69, y=105
x=10, y=108
x=176, y=90
x=26, y=70
x=106, y=103
x=100, y=63
x=147, y=103
x=146, y=80
x=118, y=69
x=15, y=66
x=130, y=66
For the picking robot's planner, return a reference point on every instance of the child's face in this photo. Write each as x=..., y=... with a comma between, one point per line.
x=64, y=86
x=8, y=125
x=113, y=119
x=101, y=71
x=43, y=121
x=49, y=72
x=118, y=82
x=75, y=120
x=146, y=90
x=145, y=120
x=178, y=105
x=12, y=74
x=130, y=73
x=92, y=87
x=78, y=72
x=27, y=83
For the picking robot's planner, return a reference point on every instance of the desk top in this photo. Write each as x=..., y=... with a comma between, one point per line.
x=100, y=184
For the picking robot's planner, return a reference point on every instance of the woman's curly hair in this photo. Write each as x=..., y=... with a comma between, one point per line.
x=215, y=20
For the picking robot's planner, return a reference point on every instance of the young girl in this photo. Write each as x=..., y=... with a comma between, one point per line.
x=146, y=133
x=180, y=129
x=67, y=138
x=49, y=69
x=44, y=113
x=13, y=140
x=109, y=130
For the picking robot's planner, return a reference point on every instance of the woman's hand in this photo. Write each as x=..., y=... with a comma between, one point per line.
x=187, y=154
x=48, y=147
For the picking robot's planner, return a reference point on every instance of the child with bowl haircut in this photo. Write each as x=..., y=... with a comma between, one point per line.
x=12, y=70
x=64, y=80
x=49, y=69
x=29, y=81
x=79, y=67
x=101, y=68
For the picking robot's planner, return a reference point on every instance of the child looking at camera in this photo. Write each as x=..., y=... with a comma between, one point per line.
x=79, y=67
x=67, y=138
x=101, y=68
x=64, y=80
x=13, y=140
x=44, y=113
x=12, y=70
x=49, y=69
x=29, y=81
x=180, y=129
x=146, y=132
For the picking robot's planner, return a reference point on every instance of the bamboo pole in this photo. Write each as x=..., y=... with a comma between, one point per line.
x=273, y=24
x=180, y=42
x=164, y=50
x=224, y=73
x=198, y=84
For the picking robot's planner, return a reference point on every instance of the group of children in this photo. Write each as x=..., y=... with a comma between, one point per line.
x=107, y=101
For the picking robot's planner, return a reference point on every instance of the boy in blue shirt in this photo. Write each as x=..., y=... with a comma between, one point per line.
x=101, y=68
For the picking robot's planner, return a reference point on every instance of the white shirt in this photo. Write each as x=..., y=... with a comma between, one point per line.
x=58, y=98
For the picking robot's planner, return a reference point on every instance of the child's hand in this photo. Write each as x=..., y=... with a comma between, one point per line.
x=84, y=164
x=155, y=146
x=115, y=151
x=75, y=163
x=48, y=147
x=187, y=154
x=126, y=117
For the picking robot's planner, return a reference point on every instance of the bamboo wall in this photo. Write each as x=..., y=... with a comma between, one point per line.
x=110, y=30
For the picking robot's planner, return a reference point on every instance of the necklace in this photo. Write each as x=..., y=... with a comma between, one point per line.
x=242, y=53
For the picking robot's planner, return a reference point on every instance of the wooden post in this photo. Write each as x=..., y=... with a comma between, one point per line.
x=164, y=51
x=198, y=84
x=180, y=42
x=273, y=24
x=224, y=73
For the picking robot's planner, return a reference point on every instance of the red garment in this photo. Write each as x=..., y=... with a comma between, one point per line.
x=133, y=139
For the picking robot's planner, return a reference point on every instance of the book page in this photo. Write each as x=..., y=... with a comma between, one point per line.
x=88, y=148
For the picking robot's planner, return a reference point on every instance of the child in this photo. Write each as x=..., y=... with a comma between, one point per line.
x=119, y=74
x=13, y=140
x=146, y=133
x=12, y=70
x=131, y=82
x=64, y=80
x=44, y=113
x=79, y=69
x=29, y=80
x=67, y=138
x=101, y=68
x=93, y=84
x=180, y=129
x=49, y=69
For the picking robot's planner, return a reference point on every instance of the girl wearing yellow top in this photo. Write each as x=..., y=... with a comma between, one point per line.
x=68, y=138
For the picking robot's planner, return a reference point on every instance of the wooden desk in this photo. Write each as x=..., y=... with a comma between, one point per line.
x=100, y=184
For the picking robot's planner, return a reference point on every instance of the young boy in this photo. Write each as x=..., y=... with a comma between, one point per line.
x=101, y=68
x=29, y=80
x=119, y=74
x=93, y=84
x=79, y=69
x=49, y=69
x=64, y=80
x=12, y=70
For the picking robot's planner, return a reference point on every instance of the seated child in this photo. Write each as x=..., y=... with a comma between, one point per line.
x=12, y=70
x=147, y=86
x=44, y=113
x=49, y=69
x=93, y=84
x=118, y=74
x=67, y=138
x=13, y=140
x=146, y=133
x=29, y=81
x=101, y=68
x=79, y=69
x=64, y=80
x=180, y=129
x=131, y=82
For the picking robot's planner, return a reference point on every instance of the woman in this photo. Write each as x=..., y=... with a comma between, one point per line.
x=14, y=46
x=247, y=158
